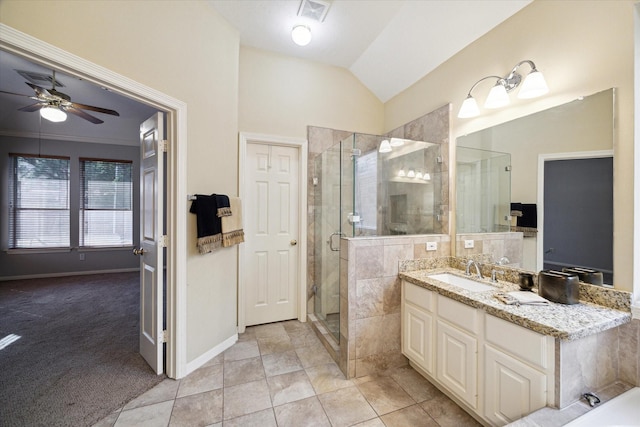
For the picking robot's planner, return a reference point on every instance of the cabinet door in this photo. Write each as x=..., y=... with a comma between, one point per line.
x=417, y=337
x=457, y=362
x=512, y=389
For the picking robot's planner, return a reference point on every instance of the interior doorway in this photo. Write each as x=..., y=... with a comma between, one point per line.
x=576, y=212
x=50, y=56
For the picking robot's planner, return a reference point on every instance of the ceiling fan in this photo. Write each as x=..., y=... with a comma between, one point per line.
x=54, y=105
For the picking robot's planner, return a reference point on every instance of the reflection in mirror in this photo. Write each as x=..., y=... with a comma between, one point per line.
x=483, y=191
x=581, y=129
x=396, y=192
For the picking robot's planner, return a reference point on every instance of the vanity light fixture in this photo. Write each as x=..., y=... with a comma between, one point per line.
x=301, y=35
x=402, y=173
x=418, y=175
x=53, y=114
x=426, y=176
x=534, y=85
x=385, y=146
x=411, y=173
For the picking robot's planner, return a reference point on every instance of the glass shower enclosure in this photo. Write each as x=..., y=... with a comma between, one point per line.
x=359, y=191
x=333, y=202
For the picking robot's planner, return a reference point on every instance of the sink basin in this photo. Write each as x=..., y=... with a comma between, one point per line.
x=461, y=282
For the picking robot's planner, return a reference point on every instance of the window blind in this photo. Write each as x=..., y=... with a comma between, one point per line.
x=106, y=203
x=39, y=202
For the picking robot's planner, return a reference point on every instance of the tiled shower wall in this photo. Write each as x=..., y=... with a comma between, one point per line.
x=370, y=299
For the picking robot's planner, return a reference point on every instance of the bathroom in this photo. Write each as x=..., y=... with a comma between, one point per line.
x=361, y=356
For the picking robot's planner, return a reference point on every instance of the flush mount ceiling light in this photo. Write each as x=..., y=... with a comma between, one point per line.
x=53, y=114
x=533, y=86
x=301, y=35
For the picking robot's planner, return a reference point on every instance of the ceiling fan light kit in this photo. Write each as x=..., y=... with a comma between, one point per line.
x=53, y=114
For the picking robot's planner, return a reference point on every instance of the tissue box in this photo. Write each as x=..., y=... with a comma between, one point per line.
x=558, y=286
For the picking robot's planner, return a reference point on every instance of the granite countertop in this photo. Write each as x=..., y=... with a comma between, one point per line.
x=566, y=322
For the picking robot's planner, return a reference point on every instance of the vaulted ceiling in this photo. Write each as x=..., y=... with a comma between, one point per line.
x=387, y=44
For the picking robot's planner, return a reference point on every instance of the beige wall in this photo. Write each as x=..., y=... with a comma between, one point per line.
x=186, y=50
x=281, y=95
x=582, y=47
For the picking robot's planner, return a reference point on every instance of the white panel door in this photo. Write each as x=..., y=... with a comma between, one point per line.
x=457, y=366
x=512, y=389
x=271, y=233
x=150, y=252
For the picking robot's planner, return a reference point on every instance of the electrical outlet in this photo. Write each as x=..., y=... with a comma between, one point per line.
x=468, y=244
x=432, y=246
x=81, y=257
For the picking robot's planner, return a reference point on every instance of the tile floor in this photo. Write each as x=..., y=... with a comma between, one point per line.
x=280, y=375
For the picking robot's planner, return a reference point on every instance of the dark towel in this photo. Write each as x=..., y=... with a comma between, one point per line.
x=209, y=224
x=516, y=209
x=224, y=207
x=528, y=222
x=529, y=216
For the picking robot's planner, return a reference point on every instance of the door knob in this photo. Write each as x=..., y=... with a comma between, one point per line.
x=293, y=242
x=138, y=251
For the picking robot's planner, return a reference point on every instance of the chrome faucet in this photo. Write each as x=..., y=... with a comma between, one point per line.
x=467, y=270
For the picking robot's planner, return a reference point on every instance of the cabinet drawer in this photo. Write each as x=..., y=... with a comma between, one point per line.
x=523, y=343
x=418, y=296
x=458, y=314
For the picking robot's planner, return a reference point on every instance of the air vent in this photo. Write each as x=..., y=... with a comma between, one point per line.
x=314, y=9
x=39, y=79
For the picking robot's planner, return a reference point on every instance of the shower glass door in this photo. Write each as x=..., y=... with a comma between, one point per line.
x=333, y=194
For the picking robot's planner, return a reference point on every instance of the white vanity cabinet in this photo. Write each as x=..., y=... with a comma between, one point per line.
x=499, y=370
x=417, y=330
x=457, y=349
x=518, y=371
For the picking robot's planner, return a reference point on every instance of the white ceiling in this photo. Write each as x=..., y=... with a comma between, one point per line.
x=387, y=44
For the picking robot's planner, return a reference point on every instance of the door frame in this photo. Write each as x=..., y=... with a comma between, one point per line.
x=542, y=158
x=38, y=51
x=246, y=138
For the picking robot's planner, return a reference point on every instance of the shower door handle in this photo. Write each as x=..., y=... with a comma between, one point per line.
x=330, y=241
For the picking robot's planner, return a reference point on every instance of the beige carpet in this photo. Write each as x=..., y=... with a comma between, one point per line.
x=77, y=359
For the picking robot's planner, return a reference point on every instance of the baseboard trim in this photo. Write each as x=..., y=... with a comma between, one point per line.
x=68, y=273
x=199, y=361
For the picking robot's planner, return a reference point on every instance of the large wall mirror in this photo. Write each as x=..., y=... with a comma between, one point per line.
x=561, y=171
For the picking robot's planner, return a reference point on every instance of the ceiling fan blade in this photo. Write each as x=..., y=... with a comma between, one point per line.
x=96, y=109
x=40, y=91
x=33, y=107
x=18, y=94
x=82, y=114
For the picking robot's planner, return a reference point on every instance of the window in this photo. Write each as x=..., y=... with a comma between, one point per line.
x=39, y=202
x=106, y=203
